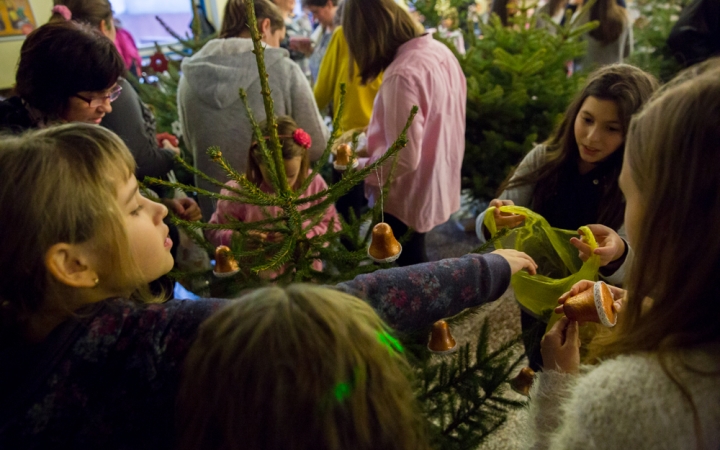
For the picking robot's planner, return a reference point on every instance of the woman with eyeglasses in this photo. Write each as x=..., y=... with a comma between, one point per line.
x=67, y=73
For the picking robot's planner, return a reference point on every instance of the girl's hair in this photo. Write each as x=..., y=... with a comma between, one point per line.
x=297, y=368
x=374, y=30
x=554, y=6
x=290, y=149
x=235, y=21
x=60, y=59
x=627, y=86
x=59, y=185
x=91, y=12
x=673, y=153
x=672, y=301
x=612, y=18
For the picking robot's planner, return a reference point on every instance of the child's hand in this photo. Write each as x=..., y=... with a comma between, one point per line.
x=168, y=146
x=584, y=285
x=560, y=347
x=503, y=219
x=518, y=261
x=185, y=208
x=610, y=244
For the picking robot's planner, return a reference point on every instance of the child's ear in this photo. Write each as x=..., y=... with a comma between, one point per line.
x=265, y=29
x=71, y=265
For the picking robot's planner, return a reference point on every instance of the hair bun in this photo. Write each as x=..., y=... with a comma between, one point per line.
x=63, y=10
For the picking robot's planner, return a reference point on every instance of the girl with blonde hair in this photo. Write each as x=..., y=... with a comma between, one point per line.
x=656, y=383
x=90, y=359
x=298, y=368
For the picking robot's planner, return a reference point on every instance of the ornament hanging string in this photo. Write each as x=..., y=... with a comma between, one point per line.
x=380, y=183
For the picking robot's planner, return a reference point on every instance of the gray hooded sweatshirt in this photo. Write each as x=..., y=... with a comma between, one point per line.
x=212, y=114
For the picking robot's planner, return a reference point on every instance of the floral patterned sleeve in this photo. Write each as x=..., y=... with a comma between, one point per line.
x=411, y=298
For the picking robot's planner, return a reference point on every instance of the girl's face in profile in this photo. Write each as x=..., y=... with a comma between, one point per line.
x=634, y=207
x=598, y=130
x=147, y=234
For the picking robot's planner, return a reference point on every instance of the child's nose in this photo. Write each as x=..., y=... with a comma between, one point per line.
x=106, y=107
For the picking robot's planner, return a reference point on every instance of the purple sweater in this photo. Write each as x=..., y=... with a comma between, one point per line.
x=107, y=378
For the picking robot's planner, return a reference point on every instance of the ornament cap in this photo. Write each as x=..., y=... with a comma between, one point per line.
x=441, y=341
x=384, y=248
x=523, y=381
x=225, y=264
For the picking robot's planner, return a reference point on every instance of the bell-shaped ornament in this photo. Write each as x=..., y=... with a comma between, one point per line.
x=523, y=381
x=384, y=248
x=441, y=341
x=225, y=264
x=345, y=158
x=592, y=305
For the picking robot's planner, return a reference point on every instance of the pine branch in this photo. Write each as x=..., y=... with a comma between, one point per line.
x=265, y=152
x=284, y=187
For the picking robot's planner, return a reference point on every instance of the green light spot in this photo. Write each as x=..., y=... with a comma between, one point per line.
x=389, y=341
x=342, y=391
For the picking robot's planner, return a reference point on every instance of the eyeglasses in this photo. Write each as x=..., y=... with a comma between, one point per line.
x=99, y=101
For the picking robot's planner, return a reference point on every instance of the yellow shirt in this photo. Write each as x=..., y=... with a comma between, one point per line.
x=334, y=70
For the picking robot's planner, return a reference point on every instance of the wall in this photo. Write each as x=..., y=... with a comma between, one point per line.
x=10, y=49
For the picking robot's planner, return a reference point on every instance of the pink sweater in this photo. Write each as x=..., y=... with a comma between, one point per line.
x=426, y=187
x=227, y=211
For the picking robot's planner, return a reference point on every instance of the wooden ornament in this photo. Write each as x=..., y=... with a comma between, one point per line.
x=441, y=341
x=592, y=305
x=384, y=248
x=225, y=264
x=344, y=158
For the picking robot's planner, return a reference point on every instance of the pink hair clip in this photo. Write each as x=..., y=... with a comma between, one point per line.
x=63, y=10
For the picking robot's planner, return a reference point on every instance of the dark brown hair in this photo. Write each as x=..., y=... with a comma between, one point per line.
x=627, y=86
x=290, y=149
x=235, y=21
x=302, y=367
x=91, y=12
x=60, y=59
x=612, y=18
x=374, y=30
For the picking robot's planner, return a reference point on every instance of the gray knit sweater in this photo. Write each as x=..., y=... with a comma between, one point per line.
x=212, y=113
x=628, y=402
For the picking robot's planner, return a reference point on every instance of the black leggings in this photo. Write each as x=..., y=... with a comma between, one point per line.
x=413, y=251
x=532, y=333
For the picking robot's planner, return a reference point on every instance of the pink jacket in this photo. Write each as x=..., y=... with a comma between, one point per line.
x=426, y=187
x=227, y=210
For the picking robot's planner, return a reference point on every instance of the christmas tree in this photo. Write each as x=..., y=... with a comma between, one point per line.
x=463, y=394
x=651, y=31
x=518, y=89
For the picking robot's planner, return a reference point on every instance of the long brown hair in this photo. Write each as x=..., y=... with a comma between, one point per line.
x=629, y=87
x=612, y=17
x=500, y=8
x=58, y=185
x=235, y=20
x=673, y=155
x=297, y=368
x=290, y=149
x=374, y=30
